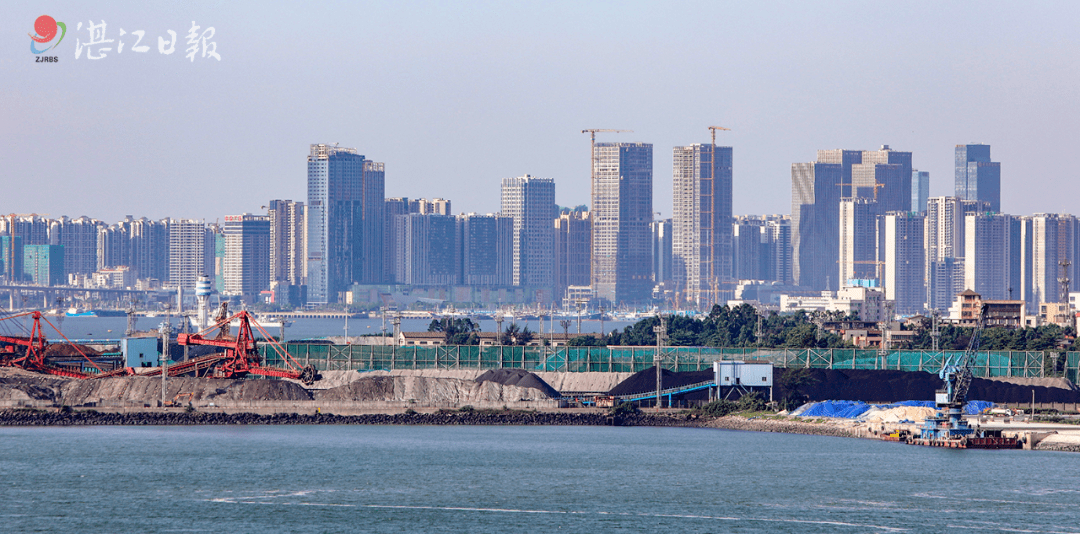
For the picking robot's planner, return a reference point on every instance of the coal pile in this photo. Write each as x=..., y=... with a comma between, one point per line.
x=891, y=386
x=645, y=381
x=520, y=378
x=62, y=350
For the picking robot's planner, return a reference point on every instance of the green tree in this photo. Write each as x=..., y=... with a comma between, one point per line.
x=456, y=331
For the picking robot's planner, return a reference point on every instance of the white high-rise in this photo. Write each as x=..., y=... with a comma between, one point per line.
x=903, y=256
x=530, y=201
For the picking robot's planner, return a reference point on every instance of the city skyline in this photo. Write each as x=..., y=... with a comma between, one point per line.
x=204, y=134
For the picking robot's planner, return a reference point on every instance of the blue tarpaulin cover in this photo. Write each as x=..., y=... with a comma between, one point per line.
x=853, y=409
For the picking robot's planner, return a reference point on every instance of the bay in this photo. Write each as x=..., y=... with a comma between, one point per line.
x=103, y=328
x=517, y=479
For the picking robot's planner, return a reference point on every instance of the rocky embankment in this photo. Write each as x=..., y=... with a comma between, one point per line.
x=733, y=422
x=94, y=418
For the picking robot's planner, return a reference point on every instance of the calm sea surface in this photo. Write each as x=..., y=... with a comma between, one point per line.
x=517, y=479
x=89, y=328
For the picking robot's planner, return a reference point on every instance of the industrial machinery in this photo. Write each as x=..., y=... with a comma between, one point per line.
x=241, y=353
x=33, y=358
x=947, y=428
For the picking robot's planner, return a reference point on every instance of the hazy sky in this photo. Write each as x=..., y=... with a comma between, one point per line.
x=455, y=96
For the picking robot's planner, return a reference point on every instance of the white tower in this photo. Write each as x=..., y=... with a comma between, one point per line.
x=203, y=289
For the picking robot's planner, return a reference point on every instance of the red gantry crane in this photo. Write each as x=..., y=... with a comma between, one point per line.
x=33, y=358
x=241, y=355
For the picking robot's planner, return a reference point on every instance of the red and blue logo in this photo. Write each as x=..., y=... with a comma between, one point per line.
x=44, y=32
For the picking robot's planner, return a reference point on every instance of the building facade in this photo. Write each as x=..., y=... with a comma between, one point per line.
x=247, y=254
x=287, y=242
x=920, y=190
x=815, y=222
x=904, y=262
x=702, y=253
x=530, y=202
x=621, y=212
x=487, y=249
x=978, y=178
x=344, y=221
x=191, y=252
x=573, y=247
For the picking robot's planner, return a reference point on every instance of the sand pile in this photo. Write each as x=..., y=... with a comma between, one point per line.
x=1061, y=383
x=591, y=382
x=137, y=389
x=518, y=377
x=895, y=415
x=429, y=391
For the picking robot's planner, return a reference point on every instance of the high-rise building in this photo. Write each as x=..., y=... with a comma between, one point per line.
x=33, y=229
x=988, y=255
x=701, y=221
x=11, y=258
x=903, y=257
x=149, y=254
x=885, y=176
x=778, y=231
x=573, y=247
x=621, y=213
x=247, y=254
x=858, y=240
x=663, y=251
x=1053, y=240
x=978, y=178
x=944, y=243
x=392, y=207
x=79, y=238
x=920, y=190
x=752, y=257
x=287, y=242
x=487, y=249
x=427, y=250
x=345, y=221
x=114, y=245
x=530, y=201
x=191, y=252
x=846, y=159
x=435, y=206
x=815, y=224
x=44, y=265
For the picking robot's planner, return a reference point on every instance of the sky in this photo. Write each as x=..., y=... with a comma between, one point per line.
x=455, y=96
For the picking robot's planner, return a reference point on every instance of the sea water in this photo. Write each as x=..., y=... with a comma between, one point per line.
x=517, y=479
x=98, y=328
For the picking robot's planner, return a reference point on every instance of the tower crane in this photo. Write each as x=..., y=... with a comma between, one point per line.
x=714, y=282
x=592, y=178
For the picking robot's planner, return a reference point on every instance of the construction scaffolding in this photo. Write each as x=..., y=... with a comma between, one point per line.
x=1027, y=364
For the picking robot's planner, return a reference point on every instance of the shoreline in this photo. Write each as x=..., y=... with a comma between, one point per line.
x=23, y=418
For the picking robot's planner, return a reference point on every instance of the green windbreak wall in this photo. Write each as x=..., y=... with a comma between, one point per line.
x=633, y=359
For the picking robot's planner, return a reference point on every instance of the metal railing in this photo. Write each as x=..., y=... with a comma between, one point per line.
x=1030, y=364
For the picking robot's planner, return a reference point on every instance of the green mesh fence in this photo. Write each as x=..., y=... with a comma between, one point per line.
x=633, y=359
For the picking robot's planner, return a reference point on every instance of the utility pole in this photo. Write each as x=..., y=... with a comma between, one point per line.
x=934, y=332
x=658, y=358
x=165, y=330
